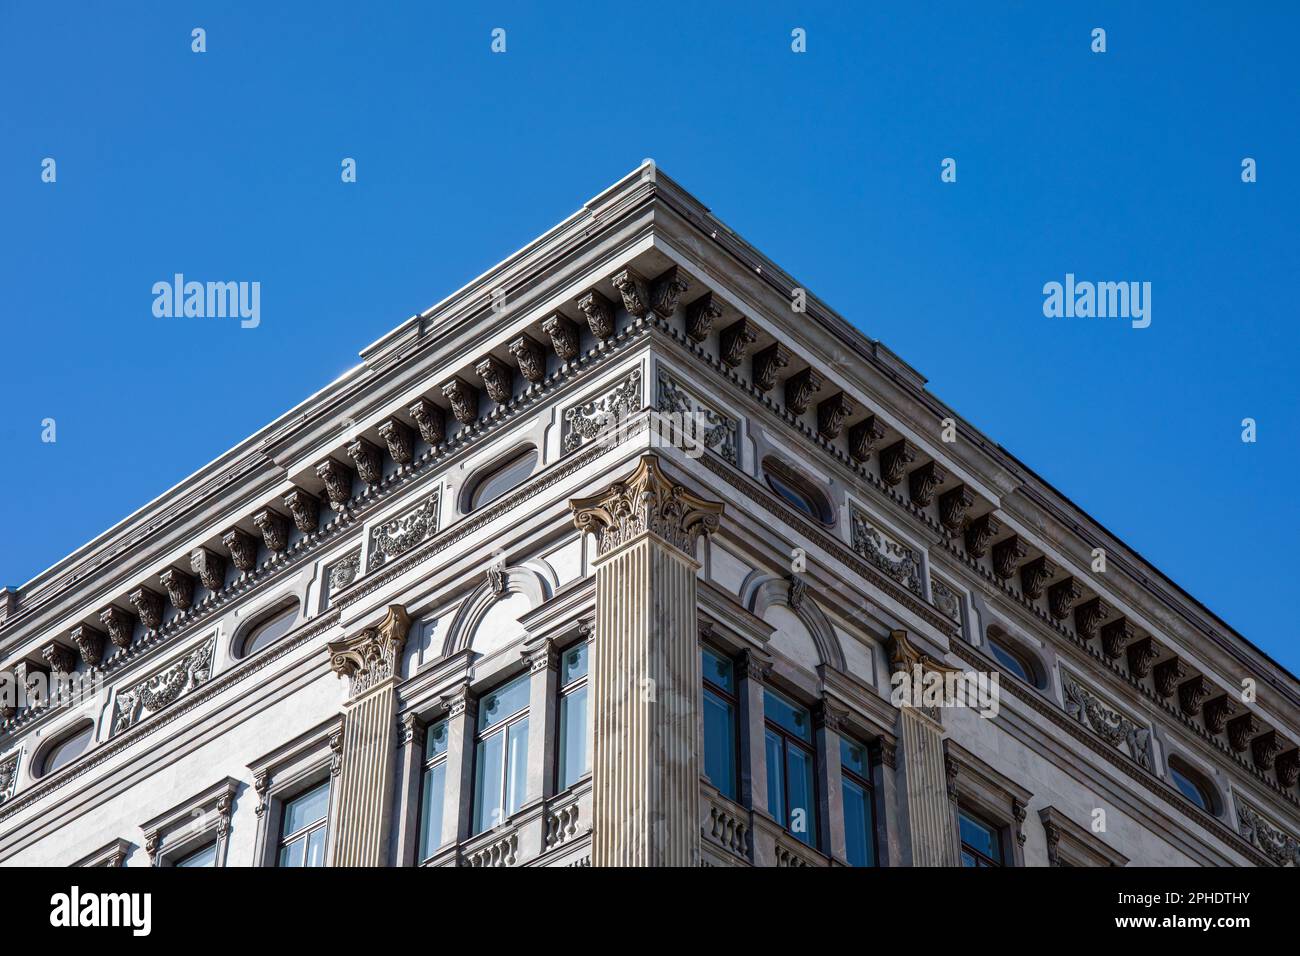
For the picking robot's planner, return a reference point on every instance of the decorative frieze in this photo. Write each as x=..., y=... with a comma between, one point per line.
x=1218, y=712
x=700, y=316
x=1062, y=596
x=338, y=482
x=667, y=291
x=89, y=642
x=148, y=604
x=530, y=358
x=1088, y=615
x=120, y=624
x=1110, y=725
x=401, y=534
x=372, y=656
x=274, y=529
x=831, y=413
x=923, y=482
x=702, y=423
x=1007, y=555
x=1141, y=655
x=1193, y=693
x=1241, y=730
x=979, y=533
x=735, y=340
x=60, y=658
x=1115, y=637
x=587, y=420
x=1278, y=845
x=399, y=439
x=304, y=508
x=953, y=505
x=1265, y=749
x=800, y=389
x=894, y=460
x=946, y=598
x=463, y=398
x=164, y=688
x=430, y=420
x=243, y=549
x=1034, y=576
x=631, y=285
x=9, y=775
x=498, y=379
x=1168, y=675
x=369, y=461
x=894, y=558
x=767, y=366
x=563, y=335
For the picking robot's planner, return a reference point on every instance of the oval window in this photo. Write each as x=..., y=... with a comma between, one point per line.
x=1013, y=660
x=502, y=478
x=269, y=629
x=68, y=749
x=1192, y=785
x=796, y=491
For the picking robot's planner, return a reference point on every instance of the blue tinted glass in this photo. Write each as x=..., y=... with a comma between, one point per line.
x=199, y=858
x=859, y=826
x=503, y=702
x=310, y=808
x=775, y=775
x=720, y=744
x=802, y=812
x=270, y=630
x=433, y=789
x=790, y=716
x=517, y=767
x=1189, y=789
x=435, y=740
x=980, y=837
x=316, y=848
x=718, y=671
x=853, y=757
x=575, y=755
x=1010, y=662
x=291, y=853
x=573, y=664
x=487, y=782
x=504, y=478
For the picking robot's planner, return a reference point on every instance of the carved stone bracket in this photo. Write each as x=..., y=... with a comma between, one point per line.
x=90, y=643
x=1061, y=597
x=700, y=317
x=1007, y=555
x=120, y=624
x=430, y=420
x=148, y=604
x=530, y=358
x=1287, y=767
x=953, y=506
x=1192, y=693
x=1141, y=655
x=1168, y=675
x=498, y=379
x=304, y=508
x=1265, y=749
x=463, y=398
x=831, y=413
x=338, y=482
x=894, y=460
x=371, y=657
x=242, y=547
x=1115, y=637
x=667, y=291
x=368, y=459
x=274, y=529
x=1240, y=730
x=631, y=285
x=397, y=436
x=1034, y=576
x=800, y=389
x=563, y=335
x=735, y=340
x=923, y=482
x=979, y=533
x=62, y=659
x=1088, y=615
x=1218, y=712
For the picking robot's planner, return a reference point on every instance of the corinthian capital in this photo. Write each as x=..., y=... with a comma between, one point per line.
x=372, y=656
x=646, y=501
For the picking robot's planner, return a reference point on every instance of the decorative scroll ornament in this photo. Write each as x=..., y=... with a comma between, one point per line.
x=667, y=291
x=368, y=459
x=646, y=502
x=164, y=688
x=714, y=430
x=923, y=482
x=305, y=509
x=953, y=506
x=1278, y=845
x=946, y=599
x=1110, y=726
x=700, y=316
x=586, y=421
x=530, y=358
x=404, y=532
x=371, y=657
x=563, y=335
x=498, y=379
x=9, y=776
x=274, y=528
x=900, y=562
x=768, y=364
x=397, y=436
x=632, y=287
x=430, y=420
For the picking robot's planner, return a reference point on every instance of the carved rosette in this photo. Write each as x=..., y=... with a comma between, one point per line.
x=1061, y=597
x=945, y=598
x=371, y=657
x=397, y=436
x=210, y=567
x=953, y=506
x=923, y=482
x=667, y=291
x=1141, y=655
x=1034, y=576
x=498, y=379
x=563, y=335
x=530, y=357
x=274, y=529
x=700, y=316
x=120, y=624
x=61, y=659
x=430, y=420
x=1088, y=615
x=1287, y=767
x=979, y=533
x=90, y=643
x=338, y=482
x=368, y=460
x=631, y=285
x=735, y=340
x=463, y=398
x=148, y=603
x=1115, y=637
x=1240, y=730
x=1218, y=712
x=894, y=461
x=1265, y=749
x=1193, y=693
x=304, y=507
x=646, y=502
x=242, y=547
x=831, y=413
x=800, y=389
x=863, y=437
x=1168, y=675
x=343, y=572
x=1007, y=555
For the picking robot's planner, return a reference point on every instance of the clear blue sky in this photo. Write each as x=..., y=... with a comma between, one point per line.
x=225, y=165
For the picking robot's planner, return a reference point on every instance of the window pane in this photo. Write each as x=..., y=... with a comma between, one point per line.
x=487, y=782
x=69, y=750
x=517, y=769
x=788, y=715
x=435, y=740
x=854, y=758
x=270, y=630
x=316, y=847
x=575, y=756
x=720, y=744
x=1189, y=789
x=718, y=671
x=503, y=702
x=980, y=837
x=200, y=858
x=775, y=776
x=504, y=478
x=291, y=853
x=1011, y=662
x=802, y=820
x=859, y=826
x=310, y=808
x=573, y=664
x=433, y=788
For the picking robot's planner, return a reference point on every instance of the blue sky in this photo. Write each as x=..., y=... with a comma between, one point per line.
x=225, y=165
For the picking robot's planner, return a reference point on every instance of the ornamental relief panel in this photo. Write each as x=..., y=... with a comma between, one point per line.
x=947, y=598
x=397, y=536
x=341, y=573
x=164, y=688
x=702, y=424
x=1278, y=845
x=1106, y=722
x=587, y=420
x=9, y=775
x=893, y=557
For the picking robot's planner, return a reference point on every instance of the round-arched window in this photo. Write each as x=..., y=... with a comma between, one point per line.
x=501, y=478
x=269, y=629
x=67, y=748
x=797, y=491
x=1193, y=785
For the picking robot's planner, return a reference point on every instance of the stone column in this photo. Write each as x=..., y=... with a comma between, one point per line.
x=826, y=722
x=925, y=813
x=370, y=661
x=543, y=726
x=406, y=805
x=753, y=764
x=458, y=801
x=645, y=682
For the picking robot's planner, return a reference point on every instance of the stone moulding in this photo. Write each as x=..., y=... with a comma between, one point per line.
x=1278, y=845
x=716, y=431
x=164, y=688
x=586, y=420
x=398, y=535
x=1108, y=724
x=895, y=559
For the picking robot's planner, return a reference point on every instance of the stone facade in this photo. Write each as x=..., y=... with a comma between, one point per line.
x=349, y=617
